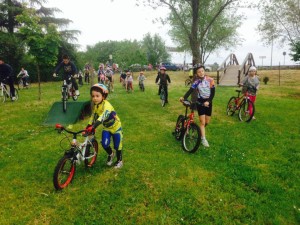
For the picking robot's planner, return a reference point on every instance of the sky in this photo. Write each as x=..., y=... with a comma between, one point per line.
x=102, y=20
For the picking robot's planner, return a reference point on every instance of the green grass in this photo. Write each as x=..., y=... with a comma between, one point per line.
x=249, y=175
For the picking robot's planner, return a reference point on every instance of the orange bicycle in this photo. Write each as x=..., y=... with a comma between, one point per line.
x=187, y=130
x=243, y=104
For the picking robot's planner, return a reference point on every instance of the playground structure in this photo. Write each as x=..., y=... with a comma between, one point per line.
x=76, y=111
x=230, y=73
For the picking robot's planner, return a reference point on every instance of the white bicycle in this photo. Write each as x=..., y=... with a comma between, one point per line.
x=5, y=93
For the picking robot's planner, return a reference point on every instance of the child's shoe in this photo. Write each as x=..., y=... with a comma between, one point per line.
x=110, y=158
x=204, y=142
x=119, y=164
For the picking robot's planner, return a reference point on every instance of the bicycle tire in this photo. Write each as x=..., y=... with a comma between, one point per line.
x=64, y=99
x=191, y=138
x=91, y=150
x=231, y=106
x=163, y=97
x=244, y=114
x=179, y=128
x=64, y=172
x=2, y=96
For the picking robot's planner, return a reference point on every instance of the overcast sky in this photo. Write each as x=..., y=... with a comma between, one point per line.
x=101, y=20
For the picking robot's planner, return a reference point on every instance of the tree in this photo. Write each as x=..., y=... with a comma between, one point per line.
x=155, y=49
x=295, y=48
x=280, y=21
x=188, y=16
x=42, y=41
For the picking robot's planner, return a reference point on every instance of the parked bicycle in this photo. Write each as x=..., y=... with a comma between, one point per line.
x=187, y=131
x=243, y=104
x=5, y=93
x=67, y=91
x=86, y=152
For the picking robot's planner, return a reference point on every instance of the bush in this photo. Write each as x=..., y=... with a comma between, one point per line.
x=265, y=80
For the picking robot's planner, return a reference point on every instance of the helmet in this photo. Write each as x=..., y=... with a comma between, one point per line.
x=197, y=66
x=252, y=68
x=101, y=88
x=163, y=68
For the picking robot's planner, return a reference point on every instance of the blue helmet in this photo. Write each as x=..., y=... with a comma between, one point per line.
x=101, y=88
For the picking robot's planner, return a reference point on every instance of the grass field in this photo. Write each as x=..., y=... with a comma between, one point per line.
x=249, y=175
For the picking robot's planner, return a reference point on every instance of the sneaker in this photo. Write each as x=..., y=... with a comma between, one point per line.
x=13, y=98
x=119, y=164
x=77, y=92
x=253, y=118
x=109, y=160
x=204, y=142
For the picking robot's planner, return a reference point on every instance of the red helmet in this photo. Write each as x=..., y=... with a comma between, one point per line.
x=101, y=88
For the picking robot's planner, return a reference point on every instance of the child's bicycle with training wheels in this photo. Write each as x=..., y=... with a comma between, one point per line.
x=5, y=93
x=243, y=104
x=86, y=152
x=67, y=91
x=187, y=131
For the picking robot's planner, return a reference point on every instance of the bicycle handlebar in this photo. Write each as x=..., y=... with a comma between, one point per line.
x=60, y=128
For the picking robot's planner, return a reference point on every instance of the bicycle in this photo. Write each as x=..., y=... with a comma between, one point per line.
x=86, y=152
x=163, y=95
x=67, y=91
x=5, y=93
x=187, y=131
x=142, y=86
x=243, y=104
x=21, y=83
x=188, y=82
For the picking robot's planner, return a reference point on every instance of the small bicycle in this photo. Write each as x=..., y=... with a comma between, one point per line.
x=163, y=95
x=67, y=91
x=21, y=83
x=187, y=131
x=78, y=152
x=243, y=104
x=142, y=86
x=5, y=93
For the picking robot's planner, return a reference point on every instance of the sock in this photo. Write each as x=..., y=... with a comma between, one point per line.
x=119, y=155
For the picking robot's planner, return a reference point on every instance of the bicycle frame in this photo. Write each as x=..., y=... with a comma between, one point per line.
x=77, y=147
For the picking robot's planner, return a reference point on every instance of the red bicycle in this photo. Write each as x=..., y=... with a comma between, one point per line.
x=243, y=104
x=187, y=130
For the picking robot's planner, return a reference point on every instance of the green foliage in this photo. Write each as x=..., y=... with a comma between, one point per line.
x=155, y=49
x=295, y=49
x=249, y=175
x=266, y=80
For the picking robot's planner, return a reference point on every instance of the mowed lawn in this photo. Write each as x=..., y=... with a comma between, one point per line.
x=249, y=175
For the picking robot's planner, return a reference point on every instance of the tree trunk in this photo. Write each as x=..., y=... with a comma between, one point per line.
x=39, y=80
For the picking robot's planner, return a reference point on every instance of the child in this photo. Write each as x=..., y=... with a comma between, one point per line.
x=141, y=79
x=129, y=81
x=105, y=114
x=205, y=87
x=251, y=84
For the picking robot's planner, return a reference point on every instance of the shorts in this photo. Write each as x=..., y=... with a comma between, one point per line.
x=109, y=78
x=203, y=110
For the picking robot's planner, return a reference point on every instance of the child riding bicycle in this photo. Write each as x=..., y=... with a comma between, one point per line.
x=163, y=79
x=69, y=72
x=104, y=113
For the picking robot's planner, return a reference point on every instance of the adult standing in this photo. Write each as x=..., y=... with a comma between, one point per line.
x=6, y=77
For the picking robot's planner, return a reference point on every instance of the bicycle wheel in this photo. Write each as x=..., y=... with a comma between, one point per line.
x=179, y=128
x=64, y=172
x=64, y=99
x=2, y=96
x=231, y=106
x=191, y=138
x=187, y=82
x=246, y=111
x=90, y=151
x=163, y=97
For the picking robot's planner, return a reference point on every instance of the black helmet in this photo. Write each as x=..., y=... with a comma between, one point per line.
x=198, y=66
